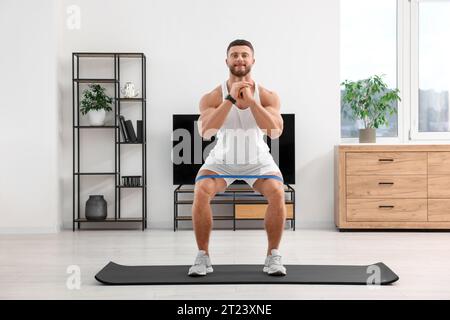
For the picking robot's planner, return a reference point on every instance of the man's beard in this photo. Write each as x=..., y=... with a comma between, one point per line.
x=239, y=72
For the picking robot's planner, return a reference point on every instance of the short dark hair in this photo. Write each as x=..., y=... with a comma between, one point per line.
x=240, y=42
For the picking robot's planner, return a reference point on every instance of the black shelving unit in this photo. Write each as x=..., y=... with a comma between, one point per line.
x=232, y=195
x=77, y=57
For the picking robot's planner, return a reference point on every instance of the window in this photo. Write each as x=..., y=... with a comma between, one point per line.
x=368, y=47
x=431, y=93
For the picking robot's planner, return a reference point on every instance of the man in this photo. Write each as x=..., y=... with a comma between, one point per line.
x=241, y=109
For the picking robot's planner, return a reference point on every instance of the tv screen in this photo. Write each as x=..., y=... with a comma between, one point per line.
x=189, y=148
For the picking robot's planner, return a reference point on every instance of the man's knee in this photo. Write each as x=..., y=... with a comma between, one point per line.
x=275, y=195
x=204, y=190
x=276, y=199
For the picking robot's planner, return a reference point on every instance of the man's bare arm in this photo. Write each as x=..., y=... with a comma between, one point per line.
x=268, y=117
x=212, y=116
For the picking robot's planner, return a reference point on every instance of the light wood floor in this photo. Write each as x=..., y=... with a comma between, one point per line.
x=34, y=266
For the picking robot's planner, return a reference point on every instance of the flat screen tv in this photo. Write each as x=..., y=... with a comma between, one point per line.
x=189, y=159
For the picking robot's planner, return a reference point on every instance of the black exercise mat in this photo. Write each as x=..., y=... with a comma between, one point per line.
x=116, y=274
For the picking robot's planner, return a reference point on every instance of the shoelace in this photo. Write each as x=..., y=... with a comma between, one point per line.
x=276, y=260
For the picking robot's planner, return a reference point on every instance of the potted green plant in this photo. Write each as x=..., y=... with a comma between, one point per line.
x=370, y=101
x=95, y=103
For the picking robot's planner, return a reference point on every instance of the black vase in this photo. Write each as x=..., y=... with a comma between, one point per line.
x=96, y=208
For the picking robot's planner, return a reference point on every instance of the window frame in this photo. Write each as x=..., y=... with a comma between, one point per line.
x=408, y=79
x=416, y=135
x=400, y=82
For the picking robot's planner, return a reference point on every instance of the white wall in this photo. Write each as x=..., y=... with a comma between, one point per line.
x=29, y=194
x=297, y=55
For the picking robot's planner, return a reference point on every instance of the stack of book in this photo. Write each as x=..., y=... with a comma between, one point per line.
x=131, y=181
x=127, y=130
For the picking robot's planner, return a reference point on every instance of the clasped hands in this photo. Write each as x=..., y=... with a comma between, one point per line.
x=241, y=91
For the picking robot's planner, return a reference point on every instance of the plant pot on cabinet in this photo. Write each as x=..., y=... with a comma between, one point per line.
x=96, y=208
x=97, y=117
x=367, y=135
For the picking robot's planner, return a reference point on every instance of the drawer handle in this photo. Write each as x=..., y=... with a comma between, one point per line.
x=386, y=159
x=385, y=183
x=385, y=207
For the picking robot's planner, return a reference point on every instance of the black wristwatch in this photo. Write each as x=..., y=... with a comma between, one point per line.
x=230, y=98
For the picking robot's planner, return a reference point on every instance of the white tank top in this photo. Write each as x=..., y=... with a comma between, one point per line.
x=239, y=140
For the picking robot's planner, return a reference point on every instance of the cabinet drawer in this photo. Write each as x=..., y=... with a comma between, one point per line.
x=439, y=186
x=387, y=186
x=258, y=211
x=386, y=209
x=438, y=162
x=379, y=163
x=438, y=209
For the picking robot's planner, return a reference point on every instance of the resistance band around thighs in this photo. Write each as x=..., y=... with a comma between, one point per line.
x=240, y=176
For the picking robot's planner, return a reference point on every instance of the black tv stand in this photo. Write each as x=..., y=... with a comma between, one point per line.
x=243, y=208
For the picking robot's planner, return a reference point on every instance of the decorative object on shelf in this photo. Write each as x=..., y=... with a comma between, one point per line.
x=95, y=103
x=131, y=181
x=96, y=208
x=370, y=100
x=129, y=90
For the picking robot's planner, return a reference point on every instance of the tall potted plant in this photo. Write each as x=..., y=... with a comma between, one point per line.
x=95, y=103
x=370, y=101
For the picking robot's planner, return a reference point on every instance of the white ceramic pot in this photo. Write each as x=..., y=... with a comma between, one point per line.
x=97, y=117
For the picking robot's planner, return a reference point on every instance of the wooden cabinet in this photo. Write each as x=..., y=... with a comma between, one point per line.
x=392, y=186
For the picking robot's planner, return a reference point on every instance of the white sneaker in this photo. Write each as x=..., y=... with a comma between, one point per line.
x=273, y=265
x=201, y=266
